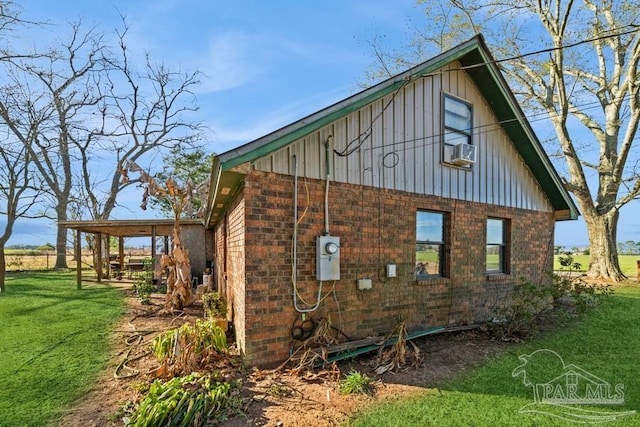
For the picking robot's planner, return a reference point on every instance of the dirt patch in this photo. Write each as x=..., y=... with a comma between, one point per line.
x=269, y=398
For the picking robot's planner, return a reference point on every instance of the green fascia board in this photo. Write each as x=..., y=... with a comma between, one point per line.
x=304, y=130
x=490, y=82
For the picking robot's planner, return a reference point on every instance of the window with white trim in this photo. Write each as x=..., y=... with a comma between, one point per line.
x=457, y=124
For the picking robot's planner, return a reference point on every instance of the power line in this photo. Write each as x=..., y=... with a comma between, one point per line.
x=485, y=128
x=363, y=136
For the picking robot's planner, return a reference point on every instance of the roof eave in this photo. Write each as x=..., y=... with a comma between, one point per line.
x=482, y=69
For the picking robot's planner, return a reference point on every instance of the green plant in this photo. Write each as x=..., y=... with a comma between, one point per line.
x=280, y=390
x=528, y=301
x=568, y=263
x=190, y=346
x=215, y=305
x=522, y=310
x=575, y=290
x=193, y=400
x=143, y=289
x=356, y=383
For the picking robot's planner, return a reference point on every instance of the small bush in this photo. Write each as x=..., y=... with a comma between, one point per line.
x=215, y=305
x=143, y=289
x=356, y=383
x=526, y=303
x=529, y=301
x=193, y=400
x=189, y=347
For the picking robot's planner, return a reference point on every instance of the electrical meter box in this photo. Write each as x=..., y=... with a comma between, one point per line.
x=328, y=258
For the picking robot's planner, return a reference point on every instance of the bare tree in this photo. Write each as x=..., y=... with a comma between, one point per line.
x=19, y=123
x=103, y=113
x=143, y=112
x=18, y=193
x=67, y=83
x=577, y=63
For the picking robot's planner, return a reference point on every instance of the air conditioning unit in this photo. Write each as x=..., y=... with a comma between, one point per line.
x=464, y=154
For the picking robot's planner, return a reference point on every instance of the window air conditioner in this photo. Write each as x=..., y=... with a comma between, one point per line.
x=464, y=154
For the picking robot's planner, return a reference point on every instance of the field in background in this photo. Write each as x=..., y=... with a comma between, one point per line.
x=627, y=263
x=34, y=260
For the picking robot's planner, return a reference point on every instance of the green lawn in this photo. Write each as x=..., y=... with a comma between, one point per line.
x=627, y=263
x=53, y=344
x=605, y=343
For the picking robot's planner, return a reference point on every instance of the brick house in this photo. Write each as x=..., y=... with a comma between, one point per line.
x=426, y=197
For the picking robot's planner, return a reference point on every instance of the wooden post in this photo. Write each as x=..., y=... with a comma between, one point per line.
x=121, y=255
x=154, y=267
x=99, y=256
x=107, y=257
x=638, y=270
x=78, y=251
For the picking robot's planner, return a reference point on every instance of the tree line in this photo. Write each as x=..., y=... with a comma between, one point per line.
x=74, y=113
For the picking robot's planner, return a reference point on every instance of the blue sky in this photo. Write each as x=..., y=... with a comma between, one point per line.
x=264, y=64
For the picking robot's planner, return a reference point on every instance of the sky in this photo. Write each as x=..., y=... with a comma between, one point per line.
x=265, y=64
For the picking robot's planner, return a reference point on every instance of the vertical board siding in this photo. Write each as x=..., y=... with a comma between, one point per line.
x=395, y=143
x=417, y=160
x=354, y=163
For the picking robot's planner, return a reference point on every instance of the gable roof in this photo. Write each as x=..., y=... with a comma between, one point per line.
x=482, y=69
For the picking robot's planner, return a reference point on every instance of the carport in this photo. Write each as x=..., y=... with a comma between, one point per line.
x=104, y=229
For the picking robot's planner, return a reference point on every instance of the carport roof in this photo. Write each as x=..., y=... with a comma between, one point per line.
x=129, y=227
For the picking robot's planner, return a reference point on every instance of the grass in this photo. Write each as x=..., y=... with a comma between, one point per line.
x=53, y=341
x=605, y=342
x=627, y=263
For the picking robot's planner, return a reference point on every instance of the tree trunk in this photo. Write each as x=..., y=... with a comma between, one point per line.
x=61, y=249
x=61, y=239
x=603, y=258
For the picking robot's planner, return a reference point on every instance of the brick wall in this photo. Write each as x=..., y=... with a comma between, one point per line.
x=230, y=265
x=376, y=227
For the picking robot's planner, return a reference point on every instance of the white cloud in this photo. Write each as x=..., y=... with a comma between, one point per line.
x=230, y=62
x=236, y=58
x=227, y=136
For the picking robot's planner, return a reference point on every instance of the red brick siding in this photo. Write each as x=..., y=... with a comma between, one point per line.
x=230, y=265
x=376, y=227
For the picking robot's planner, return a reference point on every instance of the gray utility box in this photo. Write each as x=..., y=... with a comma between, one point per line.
x=328, y=258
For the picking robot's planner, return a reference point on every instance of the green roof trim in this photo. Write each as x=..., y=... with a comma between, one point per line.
x=303, y=127
x=481, y=68
x=490, y=81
